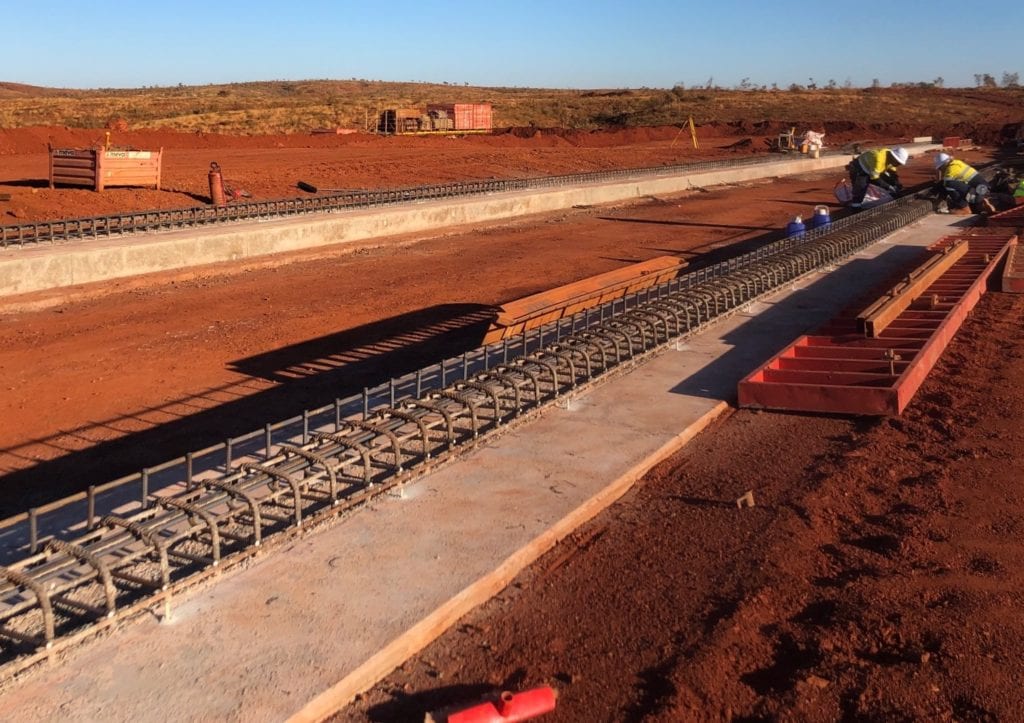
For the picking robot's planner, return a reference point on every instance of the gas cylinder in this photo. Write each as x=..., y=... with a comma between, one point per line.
x=216, y=185
x=795, y=227
x=820, y=218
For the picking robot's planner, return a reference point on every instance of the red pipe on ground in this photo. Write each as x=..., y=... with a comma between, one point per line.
x=509, y=707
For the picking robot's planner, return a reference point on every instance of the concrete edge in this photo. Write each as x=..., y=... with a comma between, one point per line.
x=436, y=623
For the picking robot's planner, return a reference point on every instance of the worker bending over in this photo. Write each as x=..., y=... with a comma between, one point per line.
x=960, y=185
x=876, y=167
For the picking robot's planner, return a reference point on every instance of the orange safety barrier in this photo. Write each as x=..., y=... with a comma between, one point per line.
x=518, y=316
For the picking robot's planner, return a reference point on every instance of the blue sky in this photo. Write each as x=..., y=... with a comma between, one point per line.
x=554, y=44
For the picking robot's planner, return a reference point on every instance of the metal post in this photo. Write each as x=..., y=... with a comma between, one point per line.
x=337, y=414
x=305, y=426
x=391, y=390
x=33, y=530
x=90, y=512
x=227, y=455
x=188, y=470
x=419, y=383
x=145, y=489
x=267, y=440
x=366, y=402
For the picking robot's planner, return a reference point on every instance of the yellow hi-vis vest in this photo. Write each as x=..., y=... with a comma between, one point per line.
x=1019, y=191
x=957, y=170
x=873, y=162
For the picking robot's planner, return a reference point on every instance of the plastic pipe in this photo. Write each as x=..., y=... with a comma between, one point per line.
x=509, y=707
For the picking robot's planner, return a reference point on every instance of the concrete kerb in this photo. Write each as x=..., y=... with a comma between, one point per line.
x=28, y=270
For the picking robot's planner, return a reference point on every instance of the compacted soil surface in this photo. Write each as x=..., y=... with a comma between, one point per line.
x=102, y=381
x=878, y=577
x=271, y=166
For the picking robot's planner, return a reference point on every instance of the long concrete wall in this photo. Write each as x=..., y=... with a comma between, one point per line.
x=40, y=268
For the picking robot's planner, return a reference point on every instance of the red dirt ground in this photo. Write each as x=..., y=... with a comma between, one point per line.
x=207, y=353
x=878, y=577
x=270, y=166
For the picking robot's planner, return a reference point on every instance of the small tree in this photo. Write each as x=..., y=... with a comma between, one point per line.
x=939, y=82
x=1011, y=80
x=875, y=83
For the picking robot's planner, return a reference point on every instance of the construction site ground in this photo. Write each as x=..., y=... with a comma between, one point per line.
x=107, y=381
x=878, y=577
x=330, y=602
x=216, y=351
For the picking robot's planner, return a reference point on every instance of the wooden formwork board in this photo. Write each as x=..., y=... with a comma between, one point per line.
x=1013, y=271
x=874, y=319
x=535, y=310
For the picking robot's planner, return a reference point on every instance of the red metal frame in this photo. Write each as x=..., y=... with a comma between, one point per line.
x=841, y=371
x=1011, y=217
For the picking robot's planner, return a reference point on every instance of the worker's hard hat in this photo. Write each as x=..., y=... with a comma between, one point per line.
x=901, y=155
x=942, y=159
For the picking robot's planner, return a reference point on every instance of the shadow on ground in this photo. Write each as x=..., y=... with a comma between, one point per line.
x=301, y=376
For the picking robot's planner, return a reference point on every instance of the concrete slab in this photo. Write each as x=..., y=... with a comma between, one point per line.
x=37, y=268
x=350, y=602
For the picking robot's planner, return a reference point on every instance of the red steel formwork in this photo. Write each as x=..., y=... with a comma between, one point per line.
x=1013, y=272
x=842, y=371
x=1011, y=218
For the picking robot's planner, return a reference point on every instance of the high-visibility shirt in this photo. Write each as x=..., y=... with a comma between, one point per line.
x=957, y=170
x=1019, y=191
x=874, y=162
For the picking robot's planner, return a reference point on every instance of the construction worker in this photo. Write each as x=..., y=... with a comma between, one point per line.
x=959, y=185
x=876, y=167
x=1018, y=193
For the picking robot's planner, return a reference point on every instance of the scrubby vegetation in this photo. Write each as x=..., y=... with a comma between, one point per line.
x=299, y=106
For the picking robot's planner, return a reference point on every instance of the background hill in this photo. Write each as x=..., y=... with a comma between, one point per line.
x=298, y=106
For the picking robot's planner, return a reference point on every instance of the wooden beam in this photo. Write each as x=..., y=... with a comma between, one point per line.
x=874, y=319
x=520, y=315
